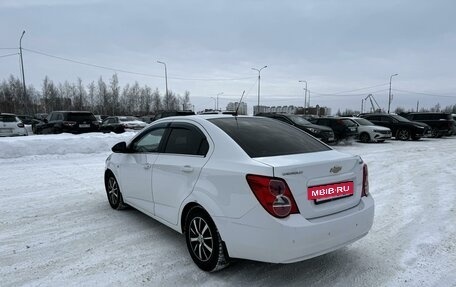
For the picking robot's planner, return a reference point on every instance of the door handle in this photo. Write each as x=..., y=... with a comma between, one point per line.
x=187, y=168
x=147, y=166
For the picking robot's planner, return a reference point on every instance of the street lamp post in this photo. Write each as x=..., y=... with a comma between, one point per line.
x=389, y=95
x=259, y=78
x=305, y=95
x=23, y=74
x=166, y=78
x=219, y=94
x=215, y=102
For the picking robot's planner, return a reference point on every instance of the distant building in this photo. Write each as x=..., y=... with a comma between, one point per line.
x=317, y=110
x=242, y=107
x=262, y=109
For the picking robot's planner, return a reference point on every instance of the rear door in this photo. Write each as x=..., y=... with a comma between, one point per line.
x=177, y=168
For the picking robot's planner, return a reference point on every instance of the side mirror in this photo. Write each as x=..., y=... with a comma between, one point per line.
x=120, y=147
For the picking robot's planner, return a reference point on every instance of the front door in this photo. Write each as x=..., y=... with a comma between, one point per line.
x=136, y=170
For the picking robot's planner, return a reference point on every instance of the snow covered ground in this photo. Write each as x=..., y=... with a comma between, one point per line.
x=57, y=229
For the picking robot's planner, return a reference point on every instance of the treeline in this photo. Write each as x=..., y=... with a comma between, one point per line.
x=98, y=97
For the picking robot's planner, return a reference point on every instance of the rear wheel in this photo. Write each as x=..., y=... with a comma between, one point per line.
x=204, y=242
x=113, y=192
x=435, y=133
x=364, y=137
x=403, y=134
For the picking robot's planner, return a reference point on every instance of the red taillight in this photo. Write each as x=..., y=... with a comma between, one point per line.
x=365, y=191
x=21, y=125
x=273, y=194
x=68, y=123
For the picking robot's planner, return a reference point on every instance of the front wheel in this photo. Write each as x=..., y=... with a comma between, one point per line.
x=204, y=242
x=435, y=133
x=403, y=134
x=113, y=192
x=364, y=137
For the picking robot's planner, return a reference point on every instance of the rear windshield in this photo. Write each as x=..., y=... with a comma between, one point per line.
x=77, y=117
x=263, y=137
x=8, y=118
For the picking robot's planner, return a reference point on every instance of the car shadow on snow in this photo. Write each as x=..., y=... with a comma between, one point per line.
x=324, y=270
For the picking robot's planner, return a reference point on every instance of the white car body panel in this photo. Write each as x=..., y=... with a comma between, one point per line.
x=217, y=182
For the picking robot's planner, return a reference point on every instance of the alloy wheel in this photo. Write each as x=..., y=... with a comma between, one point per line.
x=201, y=239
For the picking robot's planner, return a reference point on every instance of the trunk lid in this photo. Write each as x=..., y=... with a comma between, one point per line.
x=302, y=171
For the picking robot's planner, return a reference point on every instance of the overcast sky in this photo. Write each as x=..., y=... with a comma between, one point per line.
x=338, y=47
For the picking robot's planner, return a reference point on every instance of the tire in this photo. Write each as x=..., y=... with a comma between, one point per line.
x=364, y=137
x=435, y=133
x=403, y=134
x=113, y=192
x=204, y=242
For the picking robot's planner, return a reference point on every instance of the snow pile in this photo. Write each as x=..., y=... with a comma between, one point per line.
x=14, y=147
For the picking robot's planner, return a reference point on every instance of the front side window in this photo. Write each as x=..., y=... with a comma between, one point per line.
x=150, y=142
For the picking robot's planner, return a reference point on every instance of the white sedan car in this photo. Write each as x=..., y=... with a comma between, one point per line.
x=369, y=132
x=242, y=187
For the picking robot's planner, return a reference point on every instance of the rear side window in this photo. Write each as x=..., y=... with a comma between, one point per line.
x=186, y=139
x=263, y=137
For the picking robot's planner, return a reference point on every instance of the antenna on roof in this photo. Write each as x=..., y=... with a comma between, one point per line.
x=239, y=104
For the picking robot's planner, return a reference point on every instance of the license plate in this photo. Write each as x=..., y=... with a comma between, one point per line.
x=84, y=125
x=330, y=139
x=330, y=191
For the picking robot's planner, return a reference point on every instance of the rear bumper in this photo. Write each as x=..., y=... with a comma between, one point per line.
x=258, y=236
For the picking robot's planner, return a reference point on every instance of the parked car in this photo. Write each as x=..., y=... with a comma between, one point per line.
x=166, y=114
x=368, y=132
x=147, y=119
x=242, y=187
x=401, y=128
x=112, y=124
x=100, y=118
x=130, y=122
x=41, y=116
x=441, y=123
x=27, y=120
x=323, y=133
x=11, y=125
x=68, y=122
x=343, y=129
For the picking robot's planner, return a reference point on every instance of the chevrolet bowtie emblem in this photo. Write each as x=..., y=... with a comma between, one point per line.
x=335, y=169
